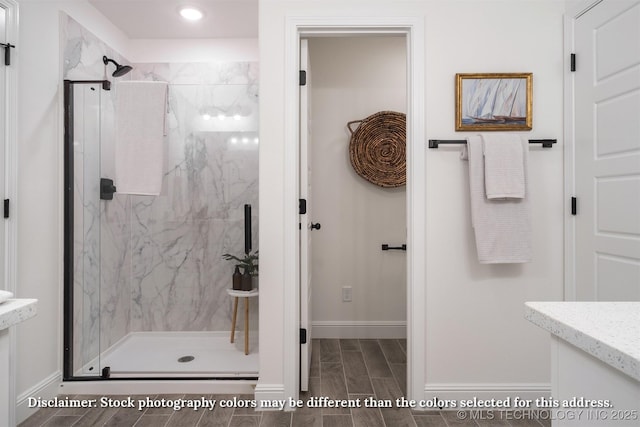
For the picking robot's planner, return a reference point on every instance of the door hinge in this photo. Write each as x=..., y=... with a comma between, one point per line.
x=303, y=78
x=574, y=206
x=573, y=62
x=7, y=52
x=302, y=206
x=6, y=208
x=303, y=336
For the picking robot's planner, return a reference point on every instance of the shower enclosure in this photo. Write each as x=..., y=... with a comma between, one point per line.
x=144, y=278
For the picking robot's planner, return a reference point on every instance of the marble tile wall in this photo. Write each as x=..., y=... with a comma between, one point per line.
x=179, y=278
x=158, y=265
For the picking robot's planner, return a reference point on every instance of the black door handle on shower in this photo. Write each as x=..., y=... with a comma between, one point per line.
x=107, y=189
x=315, y=226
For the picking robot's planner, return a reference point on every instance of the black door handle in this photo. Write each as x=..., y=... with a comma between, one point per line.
x=315, y=226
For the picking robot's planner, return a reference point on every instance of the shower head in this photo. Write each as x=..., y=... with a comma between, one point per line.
x=121, y=70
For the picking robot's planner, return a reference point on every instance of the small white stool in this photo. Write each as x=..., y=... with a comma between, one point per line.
x=246, y=295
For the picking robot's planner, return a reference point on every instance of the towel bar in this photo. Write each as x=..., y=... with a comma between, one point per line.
x=434, y=143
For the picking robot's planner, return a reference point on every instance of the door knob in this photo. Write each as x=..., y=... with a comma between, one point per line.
x=315, y=226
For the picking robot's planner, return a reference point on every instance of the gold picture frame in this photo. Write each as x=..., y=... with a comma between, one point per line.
x=494, y=101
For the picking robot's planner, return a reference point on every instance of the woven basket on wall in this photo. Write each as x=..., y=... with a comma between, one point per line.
x=377, y=148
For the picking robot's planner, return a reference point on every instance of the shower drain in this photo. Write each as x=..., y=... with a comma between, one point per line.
x=185, y=359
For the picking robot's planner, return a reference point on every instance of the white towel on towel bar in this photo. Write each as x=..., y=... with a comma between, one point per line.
x=502, y=227
x=503, y=166
x=139, y=150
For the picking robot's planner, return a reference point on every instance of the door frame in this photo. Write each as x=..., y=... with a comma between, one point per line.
x=414, y=31
x=10, y=148
x=570, y=18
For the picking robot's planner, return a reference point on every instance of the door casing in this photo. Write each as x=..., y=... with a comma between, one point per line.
x=569, y=148
x=413, y=29
x=10, y=166
x=10, y=172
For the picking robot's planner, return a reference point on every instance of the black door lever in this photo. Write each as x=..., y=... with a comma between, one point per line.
x=315, y=226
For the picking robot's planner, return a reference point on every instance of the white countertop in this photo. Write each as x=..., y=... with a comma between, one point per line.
x=16, y=310
x=609, y=331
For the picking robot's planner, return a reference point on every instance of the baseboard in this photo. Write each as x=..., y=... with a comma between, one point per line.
x=485, y=391
x=45, y=389
x=269, y=392
x=359, y=329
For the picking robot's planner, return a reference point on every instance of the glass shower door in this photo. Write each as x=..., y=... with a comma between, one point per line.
x=85, y=120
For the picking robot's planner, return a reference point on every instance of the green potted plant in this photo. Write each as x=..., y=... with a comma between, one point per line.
x=249, y=265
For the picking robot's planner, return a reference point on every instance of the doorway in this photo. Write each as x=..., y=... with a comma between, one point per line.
x=360, y=289
x=357, y=246
x=413, y=29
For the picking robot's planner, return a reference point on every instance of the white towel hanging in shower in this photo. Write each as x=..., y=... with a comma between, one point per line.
x=140, y=124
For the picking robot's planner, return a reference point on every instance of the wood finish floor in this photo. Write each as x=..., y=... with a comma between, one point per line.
x=341, y=369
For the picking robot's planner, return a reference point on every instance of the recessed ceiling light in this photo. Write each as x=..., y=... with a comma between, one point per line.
x=191, y=13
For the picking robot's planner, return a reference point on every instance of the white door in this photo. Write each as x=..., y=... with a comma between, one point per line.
x=607, y=152
x=305, y=219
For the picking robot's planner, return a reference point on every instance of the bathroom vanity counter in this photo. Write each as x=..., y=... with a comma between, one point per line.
x=609, y=331
x=12, y=312
x=595, y=355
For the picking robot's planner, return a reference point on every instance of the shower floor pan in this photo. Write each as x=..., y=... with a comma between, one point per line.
x=182, y=354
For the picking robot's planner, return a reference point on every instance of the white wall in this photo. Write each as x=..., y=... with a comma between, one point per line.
x=352, y=78
x=476, y=337
x=193, y=50
x=475, y=309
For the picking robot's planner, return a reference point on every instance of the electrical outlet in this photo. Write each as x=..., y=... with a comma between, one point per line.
x=346, y=293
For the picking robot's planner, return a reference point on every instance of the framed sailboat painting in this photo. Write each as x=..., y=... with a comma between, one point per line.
x=494, y=101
